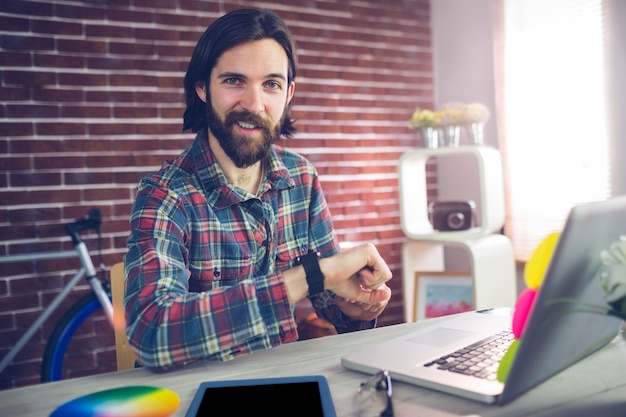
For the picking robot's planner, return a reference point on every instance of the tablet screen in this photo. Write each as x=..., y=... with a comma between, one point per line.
x=302, y=396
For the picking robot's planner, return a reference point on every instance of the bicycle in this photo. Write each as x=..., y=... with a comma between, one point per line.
x=99, y=297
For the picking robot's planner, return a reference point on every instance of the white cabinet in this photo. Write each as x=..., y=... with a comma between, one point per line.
x=491, y=259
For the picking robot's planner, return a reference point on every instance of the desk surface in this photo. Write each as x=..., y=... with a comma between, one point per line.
x=594, y=386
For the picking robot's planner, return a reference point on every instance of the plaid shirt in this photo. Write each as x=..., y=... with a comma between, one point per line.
x=203, y=270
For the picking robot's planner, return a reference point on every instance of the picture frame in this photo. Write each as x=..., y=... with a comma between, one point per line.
x=440, y=293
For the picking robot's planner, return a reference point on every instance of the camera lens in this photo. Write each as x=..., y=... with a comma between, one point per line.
x=456, y=220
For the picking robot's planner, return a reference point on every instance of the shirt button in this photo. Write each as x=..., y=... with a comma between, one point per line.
x=216, y=273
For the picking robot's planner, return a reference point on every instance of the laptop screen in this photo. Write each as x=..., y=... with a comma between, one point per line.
x=559, y=333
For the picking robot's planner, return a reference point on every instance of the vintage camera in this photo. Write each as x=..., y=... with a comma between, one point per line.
x=451, y=215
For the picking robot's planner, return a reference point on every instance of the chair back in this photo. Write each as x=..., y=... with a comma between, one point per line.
x=125, y=356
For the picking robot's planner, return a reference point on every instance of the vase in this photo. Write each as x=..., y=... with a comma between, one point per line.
x=476, y=133
x=450, y=135
x=430, y=137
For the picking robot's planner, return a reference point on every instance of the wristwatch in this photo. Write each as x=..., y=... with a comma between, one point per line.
x=314, y=276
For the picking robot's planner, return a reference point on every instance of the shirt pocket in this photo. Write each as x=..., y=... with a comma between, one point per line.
x=226, y=271
x=288, y=252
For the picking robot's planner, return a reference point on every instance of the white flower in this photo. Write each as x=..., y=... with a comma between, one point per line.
x=476, y=113
x=616, y=254
x=614, y=275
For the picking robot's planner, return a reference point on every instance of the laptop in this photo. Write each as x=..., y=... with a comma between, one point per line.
x=555, y=337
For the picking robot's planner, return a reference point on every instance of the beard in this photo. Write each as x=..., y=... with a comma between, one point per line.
x=243, y=150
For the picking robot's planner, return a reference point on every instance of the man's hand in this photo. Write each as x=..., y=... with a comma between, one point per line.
x=366, y=311
x=358, y=276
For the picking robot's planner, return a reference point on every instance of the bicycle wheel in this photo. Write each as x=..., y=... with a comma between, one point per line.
x=63, y=333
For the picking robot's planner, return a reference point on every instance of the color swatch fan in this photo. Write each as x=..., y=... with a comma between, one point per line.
x=133, y=401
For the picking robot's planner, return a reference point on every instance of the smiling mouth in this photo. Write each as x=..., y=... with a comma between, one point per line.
x=247, y=125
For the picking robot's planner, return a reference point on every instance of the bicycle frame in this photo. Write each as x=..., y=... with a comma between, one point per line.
x=87, y=270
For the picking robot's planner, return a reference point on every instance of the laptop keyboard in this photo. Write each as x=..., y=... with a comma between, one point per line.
x=480, y=359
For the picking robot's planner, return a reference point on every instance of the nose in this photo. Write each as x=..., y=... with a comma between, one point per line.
x=252, y=100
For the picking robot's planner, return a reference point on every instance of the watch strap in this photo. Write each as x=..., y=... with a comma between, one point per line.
x=314, y=276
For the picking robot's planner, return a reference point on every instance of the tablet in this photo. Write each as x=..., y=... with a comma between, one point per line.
x=287, y=396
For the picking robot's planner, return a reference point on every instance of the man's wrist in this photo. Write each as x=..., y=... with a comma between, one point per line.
x=314, y=276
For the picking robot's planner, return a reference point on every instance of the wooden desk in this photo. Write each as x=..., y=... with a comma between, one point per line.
x=596, y=386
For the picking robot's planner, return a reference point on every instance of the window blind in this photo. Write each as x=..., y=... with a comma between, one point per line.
x=556, y=146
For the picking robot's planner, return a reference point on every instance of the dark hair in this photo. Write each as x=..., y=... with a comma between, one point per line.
x=230, y=30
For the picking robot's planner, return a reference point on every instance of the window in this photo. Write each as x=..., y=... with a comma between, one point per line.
x=556, y=145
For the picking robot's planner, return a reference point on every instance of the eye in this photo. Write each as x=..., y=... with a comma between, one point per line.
x=232, y=81
x=273, y=85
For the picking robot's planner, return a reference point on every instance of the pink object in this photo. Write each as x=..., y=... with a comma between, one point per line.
x=523, y=306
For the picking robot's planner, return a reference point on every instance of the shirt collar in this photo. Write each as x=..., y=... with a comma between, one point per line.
x=219, y=191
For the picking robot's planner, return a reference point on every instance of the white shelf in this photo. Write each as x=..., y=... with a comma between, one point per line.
x=414, y=200
x=491, y=258
x=492, y=267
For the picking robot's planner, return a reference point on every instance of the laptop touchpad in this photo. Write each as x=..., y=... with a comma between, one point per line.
x=441, y=336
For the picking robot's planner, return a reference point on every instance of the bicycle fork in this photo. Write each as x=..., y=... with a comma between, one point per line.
x=94, y=282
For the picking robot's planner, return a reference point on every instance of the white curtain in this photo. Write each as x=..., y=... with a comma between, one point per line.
x=555, y=142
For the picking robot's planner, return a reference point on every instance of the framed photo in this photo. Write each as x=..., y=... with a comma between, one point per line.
x=442, y=293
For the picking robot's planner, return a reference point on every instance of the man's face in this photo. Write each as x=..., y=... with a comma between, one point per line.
x=249, y=93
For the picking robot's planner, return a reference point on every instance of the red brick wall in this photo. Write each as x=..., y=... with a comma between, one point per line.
x=92, y=100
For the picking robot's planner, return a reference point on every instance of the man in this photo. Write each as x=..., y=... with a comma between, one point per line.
x=225, y=239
